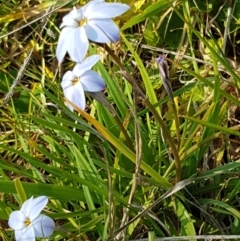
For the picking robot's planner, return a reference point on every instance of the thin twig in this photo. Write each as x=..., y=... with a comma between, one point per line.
x=10, y=93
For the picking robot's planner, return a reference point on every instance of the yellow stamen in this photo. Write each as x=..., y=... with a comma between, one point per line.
x=75, y=81
x=81, y=22
x=28, y=222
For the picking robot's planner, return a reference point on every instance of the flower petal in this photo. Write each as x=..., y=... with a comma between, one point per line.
x=92, y=81
x=96, y=10
x=63, y=43
x=25, y=207
x=108, y=27
x=17, y=220
x=68, y=93
x=26, y=234
x=72, y=18
x=95, y=34
x=36, y=206
x=87, y=8
x=69, y=22
x=43, y=226
x=87, y=64
x=77, y=44
x=78, y=96
x=68, y=79
x=84, y=8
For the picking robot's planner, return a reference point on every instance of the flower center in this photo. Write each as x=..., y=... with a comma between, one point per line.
x=28, y=222
x=75, y=81
x=82, y=22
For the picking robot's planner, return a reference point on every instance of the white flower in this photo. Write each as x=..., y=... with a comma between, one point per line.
x=92, y=21
x=81, y=79
x=28, y=223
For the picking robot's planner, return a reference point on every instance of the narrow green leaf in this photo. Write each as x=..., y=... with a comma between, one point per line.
x=50, y=190
x=153, y=9
x=146, y=80
x=20, y=190
x=215, y=126
x=187, y=227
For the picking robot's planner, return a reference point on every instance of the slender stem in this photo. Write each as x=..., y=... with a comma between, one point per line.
x=166, y=81
x=177, y=125
x=138, y=139
x=167, y=137
x=124, y=71
x=127, y=138
x=99, y=96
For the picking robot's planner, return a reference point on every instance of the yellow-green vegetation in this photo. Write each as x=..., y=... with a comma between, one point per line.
x=135, y=164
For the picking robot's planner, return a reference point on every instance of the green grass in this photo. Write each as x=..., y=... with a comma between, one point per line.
x=118, y=171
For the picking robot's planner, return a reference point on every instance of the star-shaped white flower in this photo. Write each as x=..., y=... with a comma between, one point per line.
x=92, y=21
x=81, y=79
x=28, y=223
